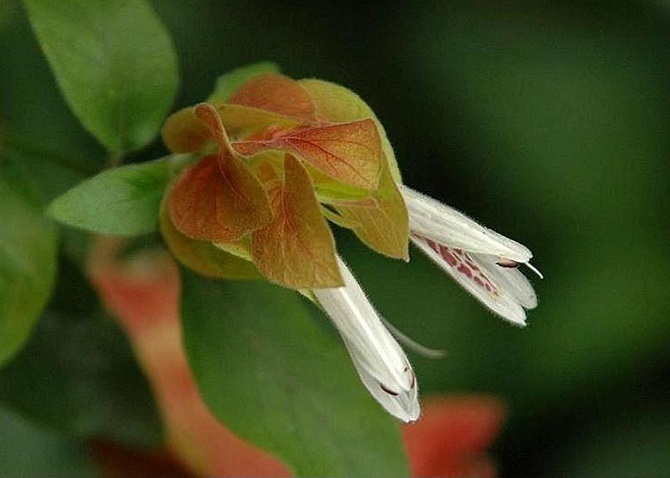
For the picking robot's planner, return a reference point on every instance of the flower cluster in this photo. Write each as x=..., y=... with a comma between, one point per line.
x=277, y=160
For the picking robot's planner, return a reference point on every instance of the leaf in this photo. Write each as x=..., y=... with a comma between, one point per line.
x=382, y=224
x=45, y=174
x=277, y=94
x=201, y=256
x=230, y=82
x=347, y=152
x=27, y=269
x=338, y=104
x=271, y=373
x=78, y=375
x=121, y=201
x=297, y=248
x=114, y=63
x=58, y=456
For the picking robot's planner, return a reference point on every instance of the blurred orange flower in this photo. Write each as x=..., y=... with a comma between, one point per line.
x=451, y=438
x=143, y=295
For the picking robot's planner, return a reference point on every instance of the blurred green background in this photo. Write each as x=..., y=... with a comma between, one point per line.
x=548, y=121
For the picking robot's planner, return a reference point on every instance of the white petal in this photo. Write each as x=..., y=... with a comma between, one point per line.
x=510, y=279
x=379, y=360
x=404, y=406
x=431, y=218
x=471, y=274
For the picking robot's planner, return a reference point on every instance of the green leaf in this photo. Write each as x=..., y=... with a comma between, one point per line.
x=229, y=82
x=28, y=450
x=115, y=65
x=121, y=201
x=77, y=373
x=272, y=374
x=43, y=174
x=27, y=268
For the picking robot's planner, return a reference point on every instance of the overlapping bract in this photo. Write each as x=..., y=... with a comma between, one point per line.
x=279, y=157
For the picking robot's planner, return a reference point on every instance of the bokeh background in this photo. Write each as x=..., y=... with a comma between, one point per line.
x=548, y=121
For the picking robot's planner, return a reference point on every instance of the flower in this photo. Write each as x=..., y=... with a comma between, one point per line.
x=481, y=260
x=278, y=159
x=452, y=436
x=379, y=360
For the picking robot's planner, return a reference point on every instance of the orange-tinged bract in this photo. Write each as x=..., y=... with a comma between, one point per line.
x=219, y=199
x=338, y=104
x=382, y=224
x=183, y=132
x=284, y=147
x=210, y=205
x=275, y=93
x=297, y=248
x=240, y=120
x=202, y=256
x=348, y=152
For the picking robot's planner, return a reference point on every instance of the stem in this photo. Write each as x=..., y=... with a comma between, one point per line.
x=116, y=159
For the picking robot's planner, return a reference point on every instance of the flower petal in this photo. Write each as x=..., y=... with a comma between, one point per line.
x=402, y=405
x=297, y=248
x=431, y=218
x=510, y=279
x=452, y=436
x=474, y=276
x=378, y=359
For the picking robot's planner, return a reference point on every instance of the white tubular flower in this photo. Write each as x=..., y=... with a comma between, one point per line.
x=379, y=360
x=481, y=260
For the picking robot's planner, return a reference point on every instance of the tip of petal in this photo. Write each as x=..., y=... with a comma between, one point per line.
x=522, y=323
x=510, y=311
